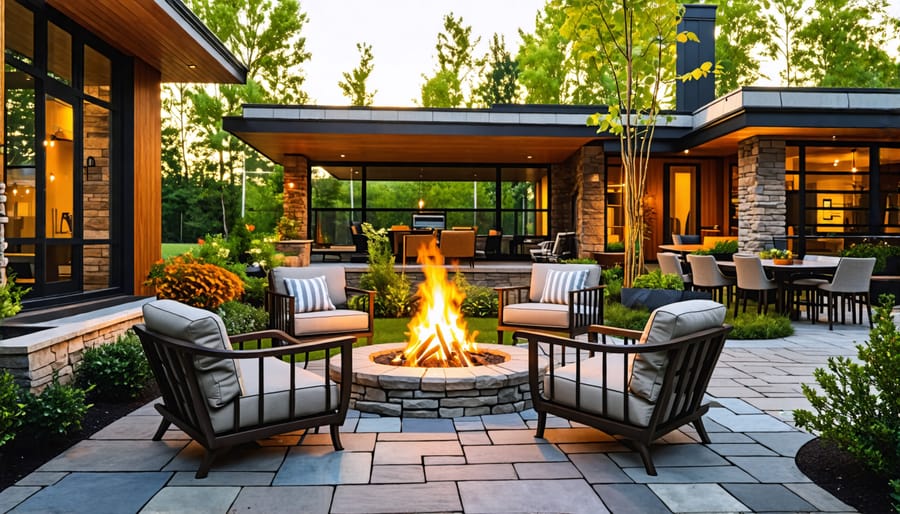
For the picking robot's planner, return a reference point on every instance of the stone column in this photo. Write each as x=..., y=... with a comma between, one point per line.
x=761, y=197
x=590, y=201
x=296, y=191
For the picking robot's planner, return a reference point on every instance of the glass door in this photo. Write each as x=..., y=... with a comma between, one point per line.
x=682, y=215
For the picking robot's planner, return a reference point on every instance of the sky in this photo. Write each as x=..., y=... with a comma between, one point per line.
x=403, y=35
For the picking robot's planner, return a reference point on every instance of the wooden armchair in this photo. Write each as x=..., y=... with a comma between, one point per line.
x=639, y=391
x=554, y=305
x=223, y=397
x=307, y=319
x=458, y=245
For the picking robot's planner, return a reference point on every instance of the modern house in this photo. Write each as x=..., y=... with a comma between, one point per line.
x=820, y=167
x=82, y=137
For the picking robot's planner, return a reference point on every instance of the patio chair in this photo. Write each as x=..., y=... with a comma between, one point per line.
x=752, y=277
x=639, y=391
x=669, y=263
x=311, y=302
x=412, y=243
x=563, y=247
x=458, y=245
x=851, y=282
x=706, y=276
x=686, y=239
x=803, y=288
x=564, y=298
x=222, y=397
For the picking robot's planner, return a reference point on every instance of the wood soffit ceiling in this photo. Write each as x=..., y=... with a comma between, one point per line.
x=144, y=29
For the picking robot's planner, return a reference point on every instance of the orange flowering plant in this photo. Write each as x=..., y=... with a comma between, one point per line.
x=194, y=282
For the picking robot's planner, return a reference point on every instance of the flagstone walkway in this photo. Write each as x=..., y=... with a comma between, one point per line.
x=479, y=464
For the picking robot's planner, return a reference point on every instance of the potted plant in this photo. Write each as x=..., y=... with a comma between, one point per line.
x=655, y=289
x=296, y=250
x=778, y=256
x=721, y=251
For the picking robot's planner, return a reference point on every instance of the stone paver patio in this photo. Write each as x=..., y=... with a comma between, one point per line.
x=483, y=464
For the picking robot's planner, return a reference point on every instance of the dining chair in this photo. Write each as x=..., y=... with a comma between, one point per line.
x=851, y=282
x=670, y=264
x=752, y=277
x=803, y=287
x=706, y=276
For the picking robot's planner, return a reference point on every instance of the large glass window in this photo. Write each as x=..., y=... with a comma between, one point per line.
x=59, y=53
x=19, y=32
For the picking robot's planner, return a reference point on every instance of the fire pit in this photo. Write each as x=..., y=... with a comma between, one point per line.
x=441, y=371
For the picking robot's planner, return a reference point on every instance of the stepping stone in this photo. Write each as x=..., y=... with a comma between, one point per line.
x=768, y=497
x=305, y=499
x=91, y=455
x=321, y=465
x=205, y=499
x=570, y=496
x=374, y=499
x=697, y=498
x=631, y=498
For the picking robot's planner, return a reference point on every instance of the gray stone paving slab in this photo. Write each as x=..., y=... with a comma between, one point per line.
x=598, y=468
x=738, y=449
x=768, y=497
x=748, y=422
x=246, y=457
x=350, y=424
x=546, y=470
x=90, y=455
x=397, y=474
x=729, y=437
x=378, y=425
x=226, y=478
x=630, y=498
x=503, y=422
x=688, y=475
x=470, y=472
x=443, y=460
x=777, y=470
x=268, y=500
x=551, y=423
x=351, y=442
x=512, y=453
x=199, y=500
x=551, y=435
x=418, y=436
x=697, y=498
x=427, y=425
x=365, y=499
x=12, y=496
x=96, y=493
x=785, y=444
x=471, y=438
x=593, y=447
x=820, y=498
x=42, y=478
x=319, y=465
x=672, y=455
x=390, y=452
x=136, y=427
x=462, y=426
x=570, y=496
x=737, y=405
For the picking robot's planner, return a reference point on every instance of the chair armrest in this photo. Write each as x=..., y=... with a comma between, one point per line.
x=280, y=308
x=504, y=295
x=586, y=308
x=623, y=333
x=370, y=301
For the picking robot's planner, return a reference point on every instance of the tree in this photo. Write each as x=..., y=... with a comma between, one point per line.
x=354, y=84
x=451, y=81
x=634, y=42
x=740, y=32
x=499, y=83
x=542, y=57
x=783, y=25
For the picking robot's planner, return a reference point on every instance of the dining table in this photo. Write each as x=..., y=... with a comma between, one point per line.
x=682, y=249
x=783, y=274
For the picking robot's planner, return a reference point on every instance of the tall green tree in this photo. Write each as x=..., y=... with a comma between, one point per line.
x=354, y=84
x=741, y=34
x=784, y=21
x=543, y=55
x=634, y=41
x=499, y=82
x=450, y=85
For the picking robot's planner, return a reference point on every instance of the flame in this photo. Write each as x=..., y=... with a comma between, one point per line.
x=438, y=336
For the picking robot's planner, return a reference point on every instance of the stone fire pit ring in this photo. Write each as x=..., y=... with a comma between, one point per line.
x=438, y=392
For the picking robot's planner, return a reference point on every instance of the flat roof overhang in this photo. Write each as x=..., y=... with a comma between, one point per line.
x=503, y=134
x=163, y=33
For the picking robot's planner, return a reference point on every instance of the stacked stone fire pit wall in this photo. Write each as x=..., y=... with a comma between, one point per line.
x=438, y=392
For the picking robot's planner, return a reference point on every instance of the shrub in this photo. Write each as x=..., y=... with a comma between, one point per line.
x=393, y=298
x=617, y=315
x=859, y=406
x=750, y=325
x=11, y=298
x=617, y=246
x=580, y=260
x=613, y=278
x=255, y=291
x=117, y=371
x=10, y=408
x=262, y=252
x=656, y=279
x=56, y=412
x=881, y=251
x=240, y=318
x=288, y=228
x=480, y=302
x=203, y=285
x=721, y=247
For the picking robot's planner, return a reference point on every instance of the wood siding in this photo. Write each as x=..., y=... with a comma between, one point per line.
x=147, y=176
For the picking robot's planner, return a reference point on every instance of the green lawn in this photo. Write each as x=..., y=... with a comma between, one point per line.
x=173, y=249
x=393, y=330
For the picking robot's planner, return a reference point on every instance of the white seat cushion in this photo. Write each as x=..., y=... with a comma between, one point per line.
x=325, y=322
x=537, y=314
x=309, y=397
x=592, y=397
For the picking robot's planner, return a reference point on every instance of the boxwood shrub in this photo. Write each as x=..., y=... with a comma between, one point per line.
x=116, y=371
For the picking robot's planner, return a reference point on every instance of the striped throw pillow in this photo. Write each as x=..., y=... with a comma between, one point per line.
x=558, y=284
x=310, y=294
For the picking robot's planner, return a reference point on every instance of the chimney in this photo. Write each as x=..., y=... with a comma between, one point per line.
x=701, y=20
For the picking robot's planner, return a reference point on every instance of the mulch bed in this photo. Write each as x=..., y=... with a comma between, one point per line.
x=844, y=477
x=25, y=454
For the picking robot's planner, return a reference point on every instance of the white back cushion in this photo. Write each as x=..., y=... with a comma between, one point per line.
x=310, y=294
x=559, y=283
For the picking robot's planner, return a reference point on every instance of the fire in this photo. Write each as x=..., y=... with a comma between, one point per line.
x=438, y=336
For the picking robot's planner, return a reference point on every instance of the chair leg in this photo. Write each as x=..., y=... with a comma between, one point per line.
x=831, y=309
x=644, y=451
x=500, y=337
x=736, y=302
x=701, y=431
x=163, y=426
x=208, y=457
x=541, y=424
x=868, y=309
x=336, y=437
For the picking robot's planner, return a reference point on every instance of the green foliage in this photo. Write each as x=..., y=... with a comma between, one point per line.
x=194, y=282
x=11, y=298
x=775, y=253
x=859, y=405
x=750, y=325
x=10, y=408
x=895, y=485
x=499, y=83
x=616, y=246
x=240, y=318
x=288, y=228
x=881, y=251
x=354, y=84
x=617, y=315
x=58, y=410
x=116, y=371
x=393, y=298
x=612, y=278
x=656, y=279
x=721, y=247
x=262, y=252
x=580, y=260
x=455, y=66
x=736, y=48
x=480, y=302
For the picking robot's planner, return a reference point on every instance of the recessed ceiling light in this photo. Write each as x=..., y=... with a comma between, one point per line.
x=530, y=157
x=192, y=66
x=687, y=151
x=343, y=155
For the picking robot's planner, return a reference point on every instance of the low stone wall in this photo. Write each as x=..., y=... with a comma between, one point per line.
x=487, y=276
x=33, y=358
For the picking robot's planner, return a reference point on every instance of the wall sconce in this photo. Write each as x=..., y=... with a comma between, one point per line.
x=826, y=203
x=59, y=135
x=91, y=170
x=291, y=185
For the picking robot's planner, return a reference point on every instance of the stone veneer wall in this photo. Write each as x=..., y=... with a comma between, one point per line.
x=296, y=171
x=590, y=204
x=562, y=191
x=95, y=194
x=762, y=208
